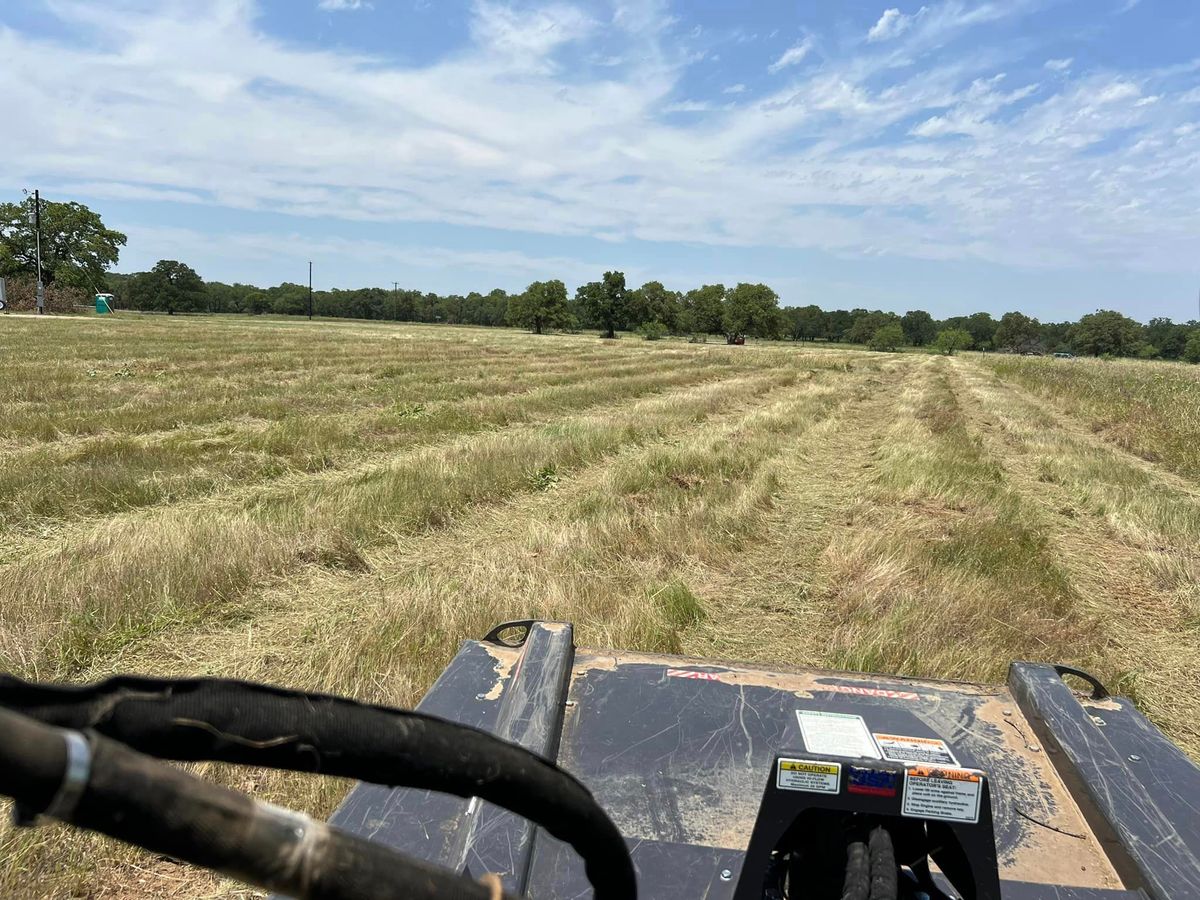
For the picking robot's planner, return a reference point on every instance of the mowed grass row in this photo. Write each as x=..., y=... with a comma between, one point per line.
x=130, y=575
x=1149, y=408
x=1127, y=535
x=183, y=433
x=943, y=568
x=52, y=482
x=604, y=535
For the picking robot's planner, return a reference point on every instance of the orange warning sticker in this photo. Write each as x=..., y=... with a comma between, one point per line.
x=940, y=792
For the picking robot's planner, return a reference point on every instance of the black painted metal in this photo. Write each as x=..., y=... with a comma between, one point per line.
x=678, y=751
x=1145, y=800
x=969, y=849
x=493, y=839
x=424, y=823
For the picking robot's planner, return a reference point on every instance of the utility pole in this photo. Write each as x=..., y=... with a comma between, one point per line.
x=310, y=290
x=37, y=231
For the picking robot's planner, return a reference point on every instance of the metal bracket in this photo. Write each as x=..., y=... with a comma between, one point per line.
x=497, y=634
x=1099, y=691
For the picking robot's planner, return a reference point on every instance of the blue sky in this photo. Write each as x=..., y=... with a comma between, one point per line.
x=1041, y=155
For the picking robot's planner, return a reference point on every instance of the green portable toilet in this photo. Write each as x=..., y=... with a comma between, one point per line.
x=104, y=303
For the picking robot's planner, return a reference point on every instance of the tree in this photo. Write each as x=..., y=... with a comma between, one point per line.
x=837, y=324
x=867, y=323
x=919, y=327
x=605, y=302
x=170, y=286
x=542, y=305
x=951, y=340
x=983, y=330
x=887, y=337
x=1191, y=350
x=704, y=309
x=981, y=327
x=76, y=246
x=804, y=323
x=751, y=309
x=654, y=303
x=1168, y=337
x=1106, y=333
x=1017, y=332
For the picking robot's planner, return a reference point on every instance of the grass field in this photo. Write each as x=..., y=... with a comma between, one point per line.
x=335, y=506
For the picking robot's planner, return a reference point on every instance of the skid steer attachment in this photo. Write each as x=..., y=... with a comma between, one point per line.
x=735, y=781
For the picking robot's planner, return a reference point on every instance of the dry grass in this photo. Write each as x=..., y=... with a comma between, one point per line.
x=336, y=508
x=1149, y=408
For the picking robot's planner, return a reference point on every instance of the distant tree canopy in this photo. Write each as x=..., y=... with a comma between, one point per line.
x=1107, y=333
x=542, y=305
x=867, y=323
x=951, y=340
x=1191, y=349
x=609, y=305
x=77, y=248
x=169, y=287
x=704, y=309
x=919, y=327
x=889, y=336
x=751, y=310
x=605, y=303
x=1017, y=333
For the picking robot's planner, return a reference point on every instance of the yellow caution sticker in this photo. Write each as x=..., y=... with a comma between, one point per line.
x=807, y=775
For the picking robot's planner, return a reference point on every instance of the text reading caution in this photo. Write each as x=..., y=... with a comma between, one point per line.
x=805, y=775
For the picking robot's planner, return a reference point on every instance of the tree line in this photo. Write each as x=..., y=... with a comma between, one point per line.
x=78, y=250
x=609, y=305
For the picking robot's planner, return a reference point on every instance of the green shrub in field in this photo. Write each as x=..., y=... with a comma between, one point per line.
x=1191, y=350
x=652, y=331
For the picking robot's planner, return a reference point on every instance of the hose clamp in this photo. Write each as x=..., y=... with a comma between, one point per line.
x=75, y=778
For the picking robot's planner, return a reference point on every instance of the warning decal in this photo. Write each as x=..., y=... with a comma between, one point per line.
x=836, y=734
x=805, y=775
x=885, y=693
x=933, y=792
x=902, y=748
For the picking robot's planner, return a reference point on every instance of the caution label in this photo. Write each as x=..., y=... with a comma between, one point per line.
x=935, y=792
x=806, y=775
x=836, y=734
x=903, y=748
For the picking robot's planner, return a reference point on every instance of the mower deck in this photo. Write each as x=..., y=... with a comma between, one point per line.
x=1088, y=800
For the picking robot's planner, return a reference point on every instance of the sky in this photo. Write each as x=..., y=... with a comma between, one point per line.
x=954, y=156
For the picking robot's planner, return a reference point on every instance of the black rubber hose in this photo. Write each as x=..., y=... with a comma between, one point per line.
x=251, y=724
x=857, y=885
x=33, y=759
x=885, y=880
x=137, y=799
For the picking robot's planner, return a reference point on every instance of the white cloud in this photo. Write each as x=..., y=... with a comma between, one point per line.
x=1059, y=65
x=336, y=5
x=735, y=89
x=1118, y=91
x=527, y=34
x=935, y=158
x=793, y=55
x=688, y=106
x=892, y=23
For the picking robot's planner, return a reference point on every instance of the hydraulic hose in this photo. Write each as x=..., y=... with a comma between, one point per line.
x=871, y=872
x=251, y=724
x=101, y=785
